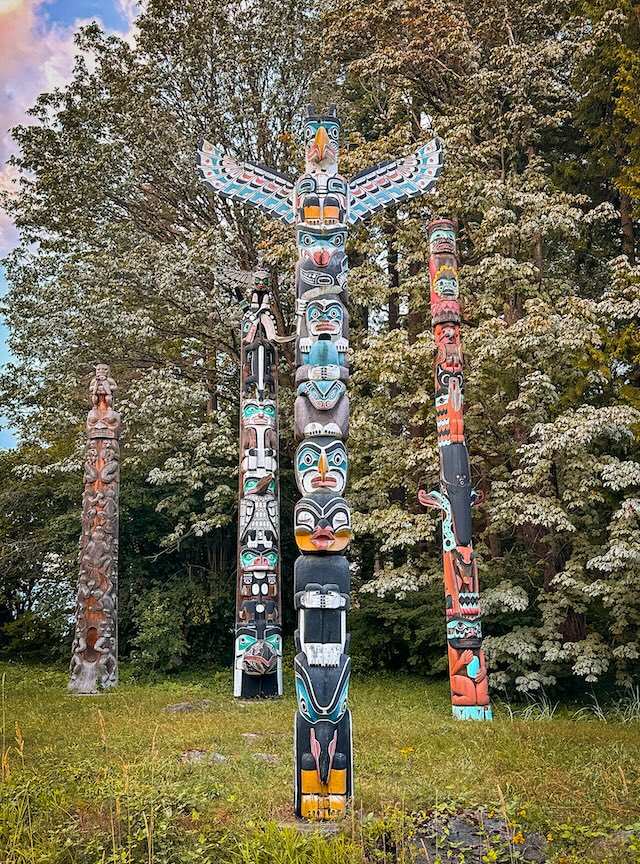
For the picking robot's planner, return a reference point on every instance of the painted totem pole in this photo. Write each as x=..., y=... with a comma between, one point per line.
x=94, y=661
x=467, y=672
x=322, y=204
x=258, y=637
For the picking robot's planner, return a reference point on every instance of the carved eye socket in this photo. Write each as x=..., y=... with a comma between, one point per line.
x=307, y=458
x=340, y=519
x=338, y=240
x=272, y=558
x=307, y=239
x=304, y=519
x=333, y=132
x=337, y=459
x=314, y=314
x=334, y=312
x=335, y=184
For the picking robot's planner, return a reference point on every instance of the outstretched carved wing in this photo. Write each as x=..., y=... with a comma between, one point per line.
x=395, y=181
x=233, y=278
x=246, y=182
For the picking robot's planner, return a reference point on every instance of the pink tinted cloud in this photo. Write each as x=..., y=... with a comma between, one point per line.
x=36, y=56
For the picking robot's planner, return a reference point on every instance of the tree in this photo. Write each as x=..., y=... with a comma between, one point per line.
x=548, y=421
x=607, y=116
x=120, y=261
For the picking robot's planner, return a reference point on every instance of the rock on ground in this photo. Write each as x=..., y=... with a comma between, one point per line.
x=472, y=834
x=187, y=707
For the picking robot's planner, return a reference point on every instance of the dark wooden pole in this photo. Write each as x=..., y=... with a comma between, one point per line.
x=94, y=661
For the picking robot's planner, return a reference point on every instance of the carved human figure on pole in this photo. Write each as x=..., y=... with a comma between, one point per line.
x=94, y=661
x=322, y=204
x=455, y=497
x=258, y=629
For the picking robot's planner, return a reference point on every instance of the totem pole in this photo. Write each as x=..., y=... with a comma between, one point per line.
x=467, y=672
x=258, y=637
x=322, y=204
x=94, y=662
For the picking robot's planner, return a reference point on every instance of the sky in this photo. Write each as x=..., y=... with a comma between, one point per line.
x=36, y=55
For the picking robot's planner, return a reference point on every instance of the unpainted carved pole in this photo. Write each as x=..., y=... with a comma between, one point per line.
x=94, y=661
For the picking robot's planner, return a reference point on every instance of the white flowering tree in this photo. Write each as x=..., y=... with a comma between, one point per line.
x=550, y=309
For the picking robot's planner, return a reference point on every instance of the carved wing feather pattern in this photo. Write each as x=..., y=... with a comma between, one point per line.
x=233, y=278
x=246, y=182
x=395, y=181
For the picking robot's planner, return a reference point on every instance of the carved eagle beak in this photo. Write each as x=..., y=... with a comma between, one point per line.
x=323, y=465
x=321, y=141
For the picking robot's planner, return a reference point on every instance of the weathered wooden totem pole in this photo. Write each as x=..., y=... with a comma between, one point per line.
x=258, y=635
x=94, y=661
x=322, y=204
x=467, y=672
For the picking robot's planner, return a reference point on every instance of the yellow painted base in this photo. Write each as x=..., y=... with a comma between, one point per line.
x=323, y=801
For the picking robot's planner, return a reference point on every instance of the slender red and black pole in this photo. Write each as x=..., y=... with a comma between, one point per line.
x=467, y=671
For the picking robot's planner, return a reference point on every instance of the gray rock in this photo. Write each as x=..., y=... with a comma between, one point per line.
x=465, y=834
x=249, y=737
x=269, y=758
x=188, y=707
x=193, y=757
x=469, y=833
x=180, y=708
x=534, y=849
x=615, y=844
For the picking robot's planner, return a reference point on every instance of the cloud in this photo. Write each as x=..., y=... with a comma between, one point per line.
x=37, y=56
x=130, y=9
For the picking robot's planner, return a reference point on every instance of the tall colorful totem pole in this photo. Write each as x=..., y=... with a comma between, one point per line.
x=258, y=635
x=322, y=204
x=467, y=672
x=94, y=661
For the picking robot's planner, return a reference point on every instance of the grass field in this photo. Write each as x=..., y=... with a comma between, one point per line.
x=117, y=778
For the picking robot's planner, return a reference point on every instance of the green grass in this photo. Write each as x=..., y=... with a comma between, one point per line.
x=100, y=779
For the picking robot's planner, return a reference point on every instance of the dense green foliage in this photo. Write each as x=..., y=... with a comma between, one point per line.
x=537, y=105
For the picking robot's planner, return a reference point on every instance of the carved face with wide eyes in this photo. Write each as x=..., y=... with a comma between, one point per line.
x=322, y=523
x=320, y=246
x=324, y=316
x=464, y=633
x=259, y=558
x=250, y=484
x=321, y=465
x=255, y=413
x=261, y=280
x=443, y=240
x=445, y=283
x=321, y=140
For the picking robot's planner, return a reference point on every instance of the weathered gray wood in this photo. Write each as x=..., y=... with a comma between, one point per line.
x=94, y=661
